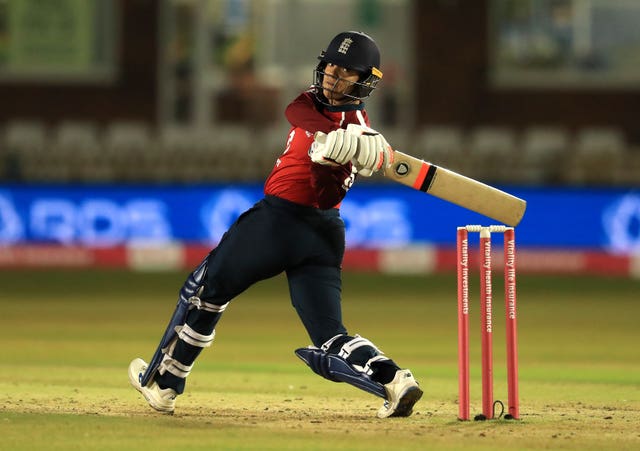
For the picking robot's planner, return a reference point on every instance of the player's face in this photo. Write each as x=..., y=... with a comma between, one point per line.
x=338, y=81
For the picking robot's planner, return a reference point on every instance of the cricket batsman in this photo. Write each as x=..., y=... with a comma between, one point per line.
x=296, y=229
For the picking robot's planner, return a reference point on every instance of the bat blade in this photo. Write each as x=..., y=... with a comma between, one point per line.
x=456, y=188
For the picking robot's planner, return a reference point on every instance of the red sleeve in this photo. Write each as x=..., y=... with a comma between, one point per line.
x=302, y=113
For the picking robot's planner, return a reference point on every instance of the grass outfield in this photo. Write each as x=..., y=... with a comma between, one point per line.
x=67, y=338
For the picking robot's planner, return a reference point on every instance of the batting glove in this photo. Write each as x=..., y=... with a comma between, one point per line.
x=336, y=148
x=374, y=152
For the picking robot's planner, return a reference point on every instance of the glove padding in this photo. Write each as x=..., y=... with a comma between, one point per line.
x=373, y=152
x=334, y=149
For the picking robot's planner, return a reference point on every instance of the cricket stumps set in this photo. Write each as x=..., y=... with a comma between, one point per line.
x=499, y=206
x=486, y=320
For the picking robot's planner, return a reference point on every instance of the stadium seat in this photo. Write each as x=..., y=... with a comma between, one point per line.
x=25, y=136
x=25, y=144
x=124, y=136
x=600, y=141
x=598, y=153
x=543, y=150
x=74, y=137
x=233, y=146
x=493, y=154
x=125, y=146
x=441, y=144
x=74, y=146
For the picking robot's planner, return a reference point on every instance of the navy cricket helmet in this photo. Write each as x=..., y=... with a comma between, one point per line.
x=356, y=51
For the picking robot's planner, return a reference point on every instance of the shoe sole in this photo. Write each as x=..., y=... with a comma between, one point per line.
x=155, y=406
x=407, y=401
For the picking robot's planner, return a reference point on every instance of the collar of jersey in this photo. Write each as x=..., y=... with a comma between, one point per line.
x=345, y=107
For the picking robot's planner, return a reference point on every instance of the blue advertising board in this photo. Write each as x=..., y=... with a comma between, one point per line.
x=375, y=215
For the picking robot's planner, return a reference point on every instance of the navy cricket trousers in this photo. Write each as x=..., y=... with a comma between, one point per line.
x=276, y=236
x=272, y=237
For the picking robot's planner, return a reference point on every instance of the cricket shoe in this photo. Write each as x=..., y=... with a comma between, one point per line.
x=163, y=400
x=402, y=393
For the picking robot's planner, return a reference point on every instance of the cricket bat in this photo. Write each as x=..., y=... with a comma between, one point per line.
x=456, y=188
x=452, y=187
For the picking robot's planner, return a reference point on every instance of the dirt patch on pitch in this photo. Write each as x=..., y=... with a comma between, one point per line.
x=569, y=425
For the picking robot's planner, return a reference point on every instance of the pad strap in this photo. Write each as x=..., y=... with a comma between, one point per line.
x=207, y=306
x=188, y=335
x=350, y=347
x=171, y=365
x=354, y=344
x=327, y=345
x=379, y=358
